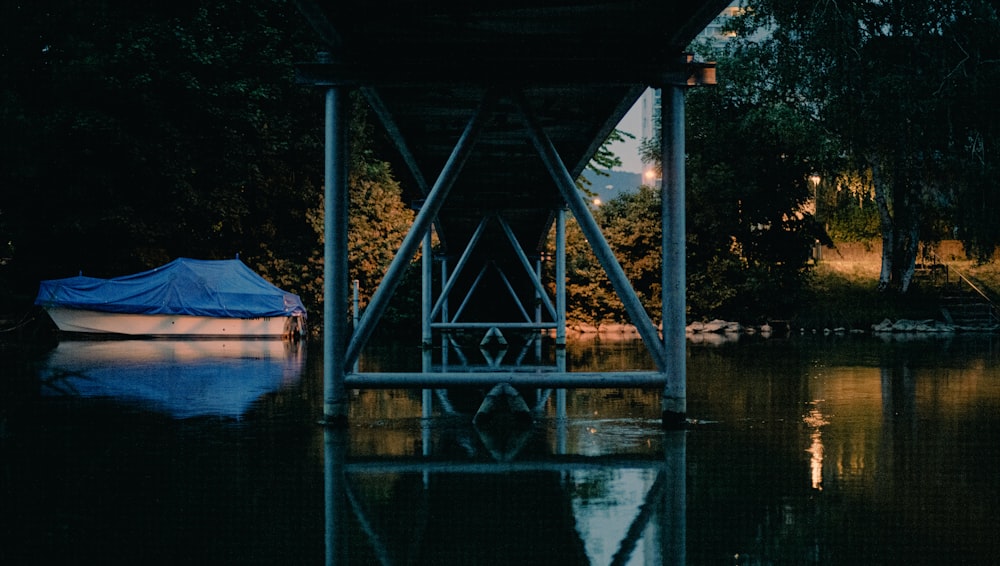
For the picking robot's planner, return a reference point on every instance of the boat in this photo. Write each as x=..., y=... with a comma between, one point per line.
x=186, y=298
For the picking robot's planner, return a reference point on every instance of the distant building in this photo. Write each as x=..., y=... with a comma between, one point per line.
x=715, y=31
x=650, y=100
x=650, y=116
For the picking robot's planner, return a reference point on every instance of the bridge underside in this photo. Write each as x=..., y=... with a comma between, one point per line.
x=495, y=108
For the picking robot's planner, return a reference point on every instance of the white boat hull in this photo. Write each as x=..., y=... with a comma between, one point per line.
x=80, y=321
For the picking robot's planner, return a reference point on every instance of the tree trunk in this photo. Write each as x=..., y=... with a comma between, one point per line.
x=906, y=217
x=908, y=258
x=885, y=224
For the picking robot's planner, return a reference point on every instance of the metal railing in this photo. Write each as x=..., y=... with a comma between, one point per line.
x=994, y=310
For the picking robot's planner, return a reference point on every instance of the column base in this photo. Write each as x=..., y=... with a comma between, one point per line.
x=673, y=420
x=334, y=415
x=333, y=421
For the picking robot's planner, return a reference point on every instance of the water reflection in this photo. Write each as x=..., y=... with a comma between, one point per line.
x=541, y=508
x=815, y=421
x=846, y=451
x=815, y=450
x=183, y=378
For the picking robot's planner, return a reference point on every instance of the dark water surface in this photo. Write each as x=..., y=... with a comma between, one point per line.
x=809, y=450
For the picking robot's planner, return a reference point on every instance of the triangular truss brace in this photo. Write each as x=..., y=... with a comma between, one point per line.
x=576, y=204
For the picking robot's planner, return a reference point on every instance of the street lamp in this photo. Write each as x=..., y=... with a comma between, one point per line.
x=814, y=180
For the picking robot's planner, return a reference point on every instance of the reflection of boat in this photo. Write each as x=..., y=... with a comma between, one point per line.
x=184, y=298
x=184, y=378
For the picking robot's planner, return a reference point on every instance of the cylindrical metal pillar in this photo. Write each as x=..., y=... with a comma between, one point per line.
x=356, y=313
x=427, y=301
x=674, y=400
x=538, y=293
x=444, y=314
x=561, y=278
x=335, y=290
x=426, y=292
x=538, y=312
x=561, y=317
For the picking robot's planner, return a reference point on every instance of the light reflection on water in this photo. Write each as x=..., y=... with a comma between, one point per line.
x=816, y=450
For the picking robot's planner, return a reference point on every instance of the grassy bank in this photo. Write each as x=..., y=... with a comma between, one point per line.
x=843, y=293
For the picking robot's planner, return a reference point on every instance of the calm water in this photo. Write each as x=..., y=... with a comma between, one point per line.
x=810, y=450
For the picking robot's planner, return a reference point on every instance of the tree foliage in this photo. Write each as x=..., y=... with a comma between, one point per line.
x=604, y=160
x=590, y=298
x=750, y=153
x=377, y=224
x=900, y=85
x=136, y=132
x=148, y=131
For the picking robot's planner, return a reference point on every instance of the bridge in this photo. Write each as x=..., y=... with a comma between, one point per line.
x=495, y=107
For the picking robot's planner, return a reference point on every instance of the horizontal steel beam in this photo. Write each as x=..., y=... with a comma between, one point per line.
x=568, y=464
x=529, y=72
x=488, y=325
x=583, y=380
x=468, y=368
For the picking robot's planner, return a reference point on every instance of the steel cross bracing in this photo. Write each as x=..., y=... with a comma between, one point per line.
x=432, y=206
x=421, y=229
x=419, y=233
x=518, y=75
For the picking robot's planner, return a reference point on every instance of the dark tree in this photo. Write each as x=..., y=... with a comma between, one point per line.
x=146, y=131
x=903, y=87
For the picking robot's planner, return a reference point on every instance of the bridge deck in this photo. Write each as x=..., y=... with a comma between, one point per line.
x=581, y=66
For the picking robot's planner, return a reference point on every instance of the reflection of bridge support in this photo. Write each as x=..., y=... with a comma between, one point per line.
x=334, y=487
x=660, y=517
x=673, y=524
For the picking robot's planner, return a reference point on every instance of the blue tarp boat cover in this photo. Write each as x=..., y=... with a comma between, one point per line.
x=217, y=288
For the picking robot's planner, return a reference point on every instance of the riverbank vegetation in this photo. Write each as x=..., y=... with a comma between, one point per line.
x=137, y=133
x=901, y=90
x=842, y=296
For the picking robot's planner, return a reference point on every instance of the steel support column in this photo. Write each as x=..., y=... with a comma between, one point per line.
x=426, y=293
x=427, y=264
x=335, y=289
x=561, y=278
x=674, y=400
x=561, y=322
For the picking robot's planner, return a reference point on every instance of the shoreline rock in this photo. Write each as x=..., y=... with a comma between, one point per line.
x=926, y=326
x=714, y=330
